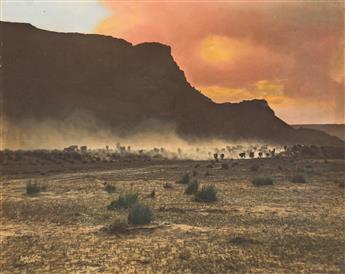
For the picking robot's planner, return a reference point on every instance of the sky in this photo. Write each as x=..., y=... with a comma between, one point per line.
x=290, y=53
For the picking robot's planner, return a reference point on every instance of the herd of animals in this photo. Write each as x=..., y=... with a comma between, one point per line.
x=230, y=152
x=83, y=154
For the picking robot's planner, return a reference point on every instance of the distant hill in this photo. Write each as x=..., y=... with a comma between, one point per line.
x=48, y=76
x=337, y=130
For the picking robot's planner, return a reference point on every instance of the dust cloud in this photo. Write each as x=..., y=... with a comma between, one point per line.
x=151, y=138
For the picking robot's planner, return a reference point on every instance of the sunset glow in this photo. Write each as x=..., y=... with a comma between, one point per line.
x=289, y=53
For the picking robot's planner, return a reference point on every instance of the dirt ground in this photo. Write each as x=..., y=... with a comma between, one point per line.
x=283, y=228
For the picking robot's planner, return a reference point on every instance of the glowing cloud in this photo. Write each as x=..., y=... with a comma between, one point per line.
x=287, y=53
x=217, y=49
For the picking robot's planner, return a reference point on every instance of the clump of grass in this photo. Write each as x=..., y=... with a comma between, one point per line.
x=152, y=194
x=124, y=201
x=119, y=225
x=341, y=184
x=225, y=166
x=234, y=164
x=262, y=181
x=206, y=194
x=33, y=188
x=192, y=187
x=140, y=214
x=167, y=186
x=254, y=168
x=110, y=188
x=243, y=241
x=298, y=178
x=184, y=180
x=185, y=254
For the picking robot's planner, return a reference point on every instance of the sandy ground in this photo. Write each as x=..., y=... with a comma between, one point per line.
x=283, y=228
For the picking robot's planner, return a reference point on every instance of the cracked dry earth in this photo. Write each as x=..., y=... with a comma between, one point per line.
x=283, y=228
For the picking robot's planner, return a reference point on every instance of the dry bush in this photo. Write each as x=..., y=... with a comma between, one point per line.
x=206, y=194
x=262, y=181
x=33, y=188
x=124, y=201
x=192, y=187
x=140, y=214
x=184, y=180
x=167, y=186
x=225, y=166
x=110, y=188
x=119, y=225
x=298, y=178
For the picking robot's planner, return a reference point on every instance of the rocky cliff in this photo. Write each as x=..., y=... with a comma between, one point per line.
x=49, y=76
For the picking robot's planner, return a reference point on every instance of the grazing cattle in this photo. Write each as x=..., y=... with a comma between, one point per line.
x=71, y=148
x=273, y=152
x=242, y=155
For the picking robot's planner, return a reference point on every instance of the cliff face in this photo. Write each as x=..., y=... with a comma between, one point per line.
x=48, y=75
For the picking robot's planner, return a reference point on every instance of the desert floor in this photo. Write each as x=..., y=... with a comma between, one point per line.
x=283, y=228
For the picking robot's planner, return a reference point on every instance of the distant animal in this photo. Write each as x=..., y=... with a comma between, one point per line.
x=107, y=147
x=215, y=155
x=242, y=155
x=251, y=154
x=260, y=154
x=71, y=148
x=222, y=156
x=273, y=152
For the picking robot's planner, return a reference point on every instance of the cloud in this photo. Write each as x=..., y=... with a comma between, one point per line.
x=234, y=46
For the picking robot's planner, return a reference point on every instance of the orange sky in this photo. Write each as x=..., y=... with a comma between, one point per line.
x=291, y=54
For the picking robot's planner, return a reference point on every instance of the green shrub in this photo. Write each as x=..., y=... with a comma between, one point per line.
x=167, y=186
x=192, y=187
x=140, y=214
x=262, y=181
x=298, y=178
x=33, y=188
x=184, y=180
x=110, y=188
x=206, y=194
x=124, y=201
